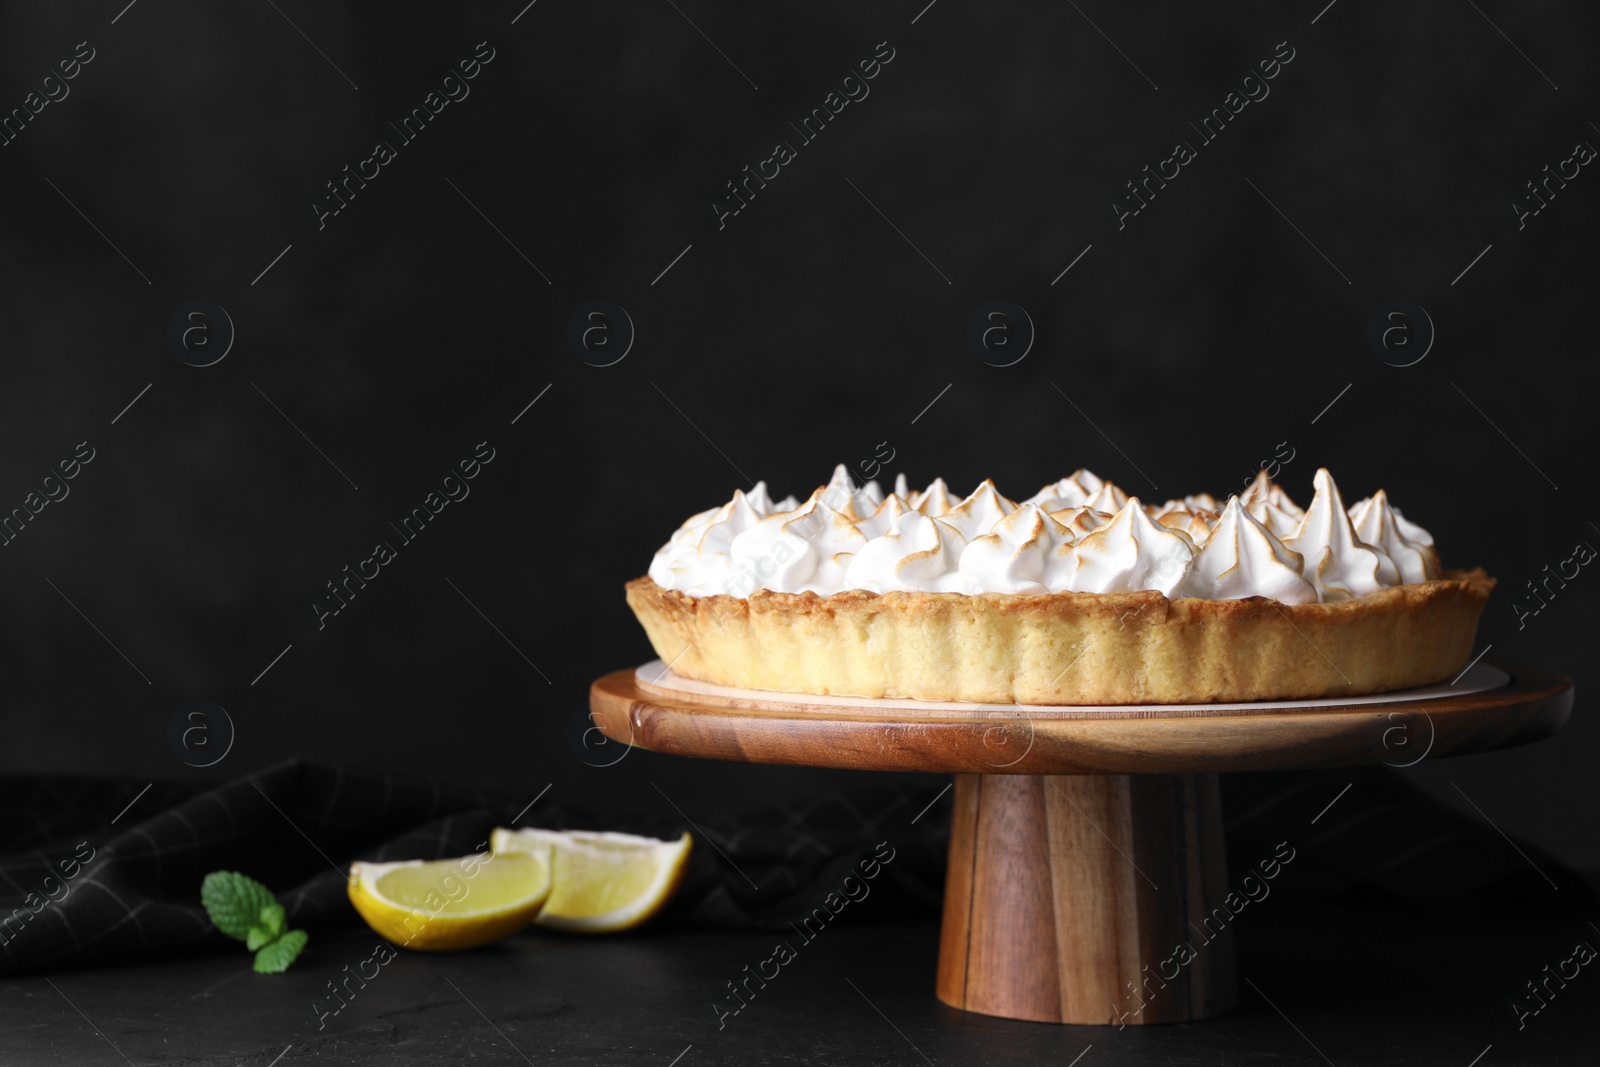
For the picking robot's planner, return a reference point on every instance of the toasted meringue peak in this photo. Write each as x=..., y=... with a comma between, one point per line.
x=847, y=536
x=1090, y=481
x=1201, y=523
x=699, y=518
x=760, y=499
x=1280, y=522
x=934, y=500
x=1172, y=517
x=1081, y=521
x=1266, y=502
x=820, y=506
x=1070, y=492
x=1336, y=561
x=1058, y=496
x=678, y=564
x=1132, y=552
x=1377, y=524
x=696, y=559
x=1108, y=498
x=804, y=550
x=877, y=524
x=1241, y=558
x=841, y=482
x=1413, y=533
x=1264, y=488
x=1408, y=529
x=1025, y=552
x=734, y=517
x=975, y=515
x=1179, y=515
x=843, y=494
x=918, y=554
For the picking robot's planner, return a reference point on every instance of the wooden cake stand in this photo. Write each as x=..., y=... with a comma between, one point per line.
x=1085, y=842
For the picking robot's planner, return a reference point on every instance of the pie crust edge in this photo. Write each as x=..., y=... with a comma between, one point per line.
x=1067, y=648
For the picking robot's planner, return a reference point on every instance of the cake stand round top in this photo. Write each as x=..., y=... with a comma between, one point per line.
x=1487, y=708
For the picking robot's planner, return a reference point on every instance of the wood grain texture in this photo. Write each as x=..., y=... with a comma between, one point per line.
x=1087, y=876
x=1533, y=706
x=1067, y=898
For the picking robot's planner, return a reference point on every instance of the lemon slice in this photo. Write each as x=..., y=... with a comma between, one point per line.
x=442, y=905
x=601, y=881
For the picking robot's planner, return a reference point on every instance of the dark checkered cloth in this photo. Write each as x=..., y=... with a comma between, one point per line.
x=94, y=871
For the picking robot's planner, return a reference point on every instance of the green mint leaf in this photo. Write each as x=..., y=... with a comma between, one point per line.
x=234, y=902
x=276, y=957
x=259, y=936
x=272, y=919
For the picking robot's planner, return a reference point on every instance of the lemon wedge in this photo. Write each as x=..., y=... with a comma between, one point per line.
x=442, y=905
x=600, y=882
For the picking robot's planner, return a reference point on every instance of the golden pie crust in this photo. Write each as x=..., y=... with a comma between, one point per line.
x=1067, y=648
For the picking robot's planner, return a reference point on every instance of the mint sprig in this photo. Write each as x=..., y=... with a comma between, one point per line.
x=276, y=957
x=246, y=910
x=234, y=902
x=268, y=929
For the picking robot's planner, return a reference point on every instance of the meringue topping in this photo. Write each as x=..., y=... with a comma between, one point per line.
x=1027, y=551
x=1082, y=521
x=1108, y=498
x=978, y=513
x=842, y=494
x=877, y=524
x=760, y=499
x=1337, y=562
x=702, y=563
x=917, y=554
x=1410, y=530
x=1130, y=553
x=1265, y=489
x=934, y=500
x=1377, y=524
x=1079, y=534
x=1269, y=505
x=799, y=551
x=1281, y=522
x=1201, y=523
x=1241, y=558
x=1070, y=492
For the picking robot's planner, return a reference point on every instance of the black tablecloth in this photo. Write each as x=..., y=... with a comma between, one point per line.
x=93, y=871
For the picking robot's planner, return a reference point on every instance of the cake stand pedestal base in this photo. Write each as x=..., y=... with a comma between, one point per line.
x=1087, y=879
x=1085, y=899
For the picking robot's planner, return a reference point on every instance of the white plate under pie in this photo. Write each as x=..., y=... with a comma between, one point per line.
x=655, y=677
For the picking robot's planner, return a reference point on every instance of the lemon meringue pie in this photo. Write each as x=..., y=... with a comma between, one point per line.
x=1080, y=594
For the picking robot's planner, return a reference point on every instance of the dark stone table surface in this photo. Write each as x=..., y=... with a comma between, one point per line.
x=1358, y=982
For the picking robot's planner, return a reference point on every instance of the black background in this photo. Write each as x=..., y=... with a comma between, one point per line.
x=804, y=333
